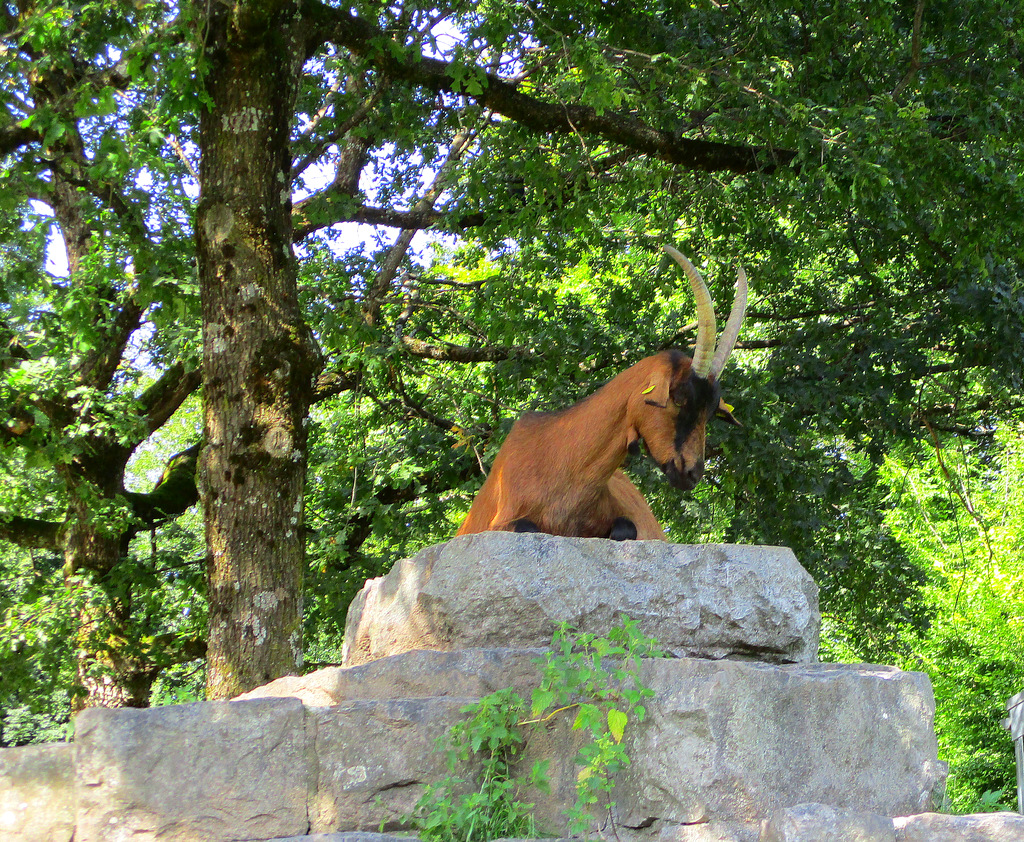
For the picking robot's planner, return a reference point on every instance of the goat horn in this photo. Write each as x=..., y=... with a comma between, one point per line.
x=707, y=328
x=732, y=327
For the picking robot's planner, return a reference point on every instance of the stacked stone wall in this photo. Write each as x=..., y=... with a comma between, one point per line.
x=746, y=739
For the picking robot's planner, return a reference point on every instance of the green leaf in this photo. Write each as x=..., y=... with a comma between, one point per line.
x=617, y=720
x=542, y=700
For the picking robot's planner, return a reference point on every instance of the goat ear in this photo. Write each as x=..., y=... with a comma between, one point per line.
x=657, y=391
x=724, y=412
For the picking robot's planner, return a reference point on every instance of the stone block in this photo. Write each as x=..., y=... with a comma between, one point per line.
x=417, y=674
x=375, y=760
x=351, y=836
x=979, y=827
x=207, y=772
x=819, y=822
x=709, y=831
x=735, y=742
x=725, y=744
x=37, y=793
x=500, y=589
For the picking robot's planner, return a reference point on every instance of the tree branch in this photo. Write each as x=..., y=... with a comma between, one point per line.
x=396, y=254
x=13, y=137
x=30, y=534
x=322, y=210
x=357, y=117
x=98, y=367
x=174, y=493
x=161, y=400
x=334, y=382
x=462, y=353
x=335, y=204
x=365, y=39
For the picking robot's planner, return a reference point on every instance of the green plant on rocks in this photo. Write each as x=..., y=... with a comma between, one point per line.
x=591, y=678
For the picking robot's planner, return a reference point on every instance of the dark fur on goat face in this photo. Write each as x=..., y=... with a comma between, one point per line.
x=674, y=428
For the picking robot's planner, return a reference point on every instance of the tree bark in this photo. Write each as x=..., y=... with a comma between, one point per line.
x=92, y=550
x=259, y=359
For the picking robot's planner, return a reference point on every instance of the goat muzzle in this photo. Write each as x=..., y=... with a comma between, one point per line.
x=685, y=479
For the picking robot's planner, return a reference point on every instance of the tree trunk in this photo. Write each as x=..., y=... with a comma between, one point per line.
x=107, y=674
x=259, y=360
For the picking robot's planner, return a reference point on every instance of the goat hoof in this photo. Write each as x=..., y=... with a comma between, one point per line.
x=623, y=529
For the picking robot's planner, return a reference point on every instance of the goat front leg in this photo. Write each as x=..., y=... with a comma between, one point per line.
x=623, y=529
x=631, y=508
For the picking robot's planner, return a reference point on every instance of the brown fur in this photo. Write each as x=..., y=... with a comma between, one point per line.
x=561, y=470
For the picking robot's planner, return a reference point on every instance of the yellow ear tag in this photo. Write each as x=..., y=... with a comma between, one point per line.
x=728, y=407
x=648, y=390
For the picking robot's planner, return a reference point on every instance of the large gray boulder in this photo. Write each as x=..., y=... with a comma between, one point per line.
x=37, y=793
x=737, y=741
x=503, y=589
x=208, y=772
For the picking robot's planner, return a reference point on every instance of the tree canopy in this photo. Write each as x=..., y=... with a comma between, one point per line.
x=370, y=235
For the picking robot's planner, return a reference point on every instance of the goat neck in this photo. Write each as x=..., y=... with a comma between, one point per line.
x=598, y=431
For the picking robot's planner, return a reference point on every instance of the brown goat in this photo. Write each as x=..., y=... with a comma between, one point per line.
x=559, y=472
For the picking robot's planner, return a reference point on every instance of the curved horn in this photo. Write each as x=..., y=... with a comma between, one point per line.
x=732, y=327
x=706, y=325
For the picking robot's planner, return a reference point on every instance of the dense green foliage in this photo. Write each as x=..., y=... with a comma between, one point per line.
x=861, y=160
x=960, y=516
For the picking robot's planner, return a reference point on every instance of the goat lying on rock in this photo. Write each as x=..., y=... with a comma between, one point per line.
x=559, y=472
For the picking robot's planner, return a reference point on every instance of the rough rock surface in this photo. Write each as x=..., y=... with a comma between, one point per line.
x=210, y=771
x=37, y=794
x=737, y=741
x=350, y=836
x=981, y=827
x=418, y=674
x=819, y=822
x=376, y=758
x=709, y=831
x=729, y=741
x=502, y=589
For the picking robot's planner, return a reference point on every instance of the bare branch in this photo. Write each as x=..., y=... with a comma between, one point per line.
x=462, y=353
x=358, y=116
x=382, y=283
x=321, y=211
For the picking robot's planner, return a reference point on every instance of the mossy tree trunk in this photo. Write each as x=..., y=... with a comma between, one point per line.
x=259, y=359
